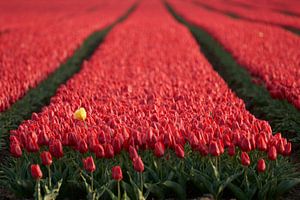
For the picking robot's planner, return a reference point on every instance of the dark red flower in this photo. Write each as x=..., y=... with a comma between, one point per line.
x=15, y=150
x=88, y=164
x=109, y=151
x=56, y=148
x=46, y=158
x=179, y=151
x=245, y=159
x=132, y=153
x=261, y=143
x=231, y=150
x=138, y=164
x=214, y=149
x=82, y=146
x=99, y=151
x=261, y=165
x=117, y=173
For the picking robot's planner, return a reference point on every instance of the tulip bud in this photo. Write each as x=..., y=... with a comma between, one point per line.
x=46, y=158
x=288, y=149
x=132, y=153
x=82, y=146
x=138, y=164
x=109, y=151
x=89, y=164
x=245, y=144
x=36, y=172
x=15, y=150
x=272, y=153
x=159, y=149
x=117, y=173
x=261, y=165
x=231, y=150
x=80, y=114
x=261, y=144
x=56, y=148
x=99, y=151
x=179, y=151
x=245, y=159
x=214, y=149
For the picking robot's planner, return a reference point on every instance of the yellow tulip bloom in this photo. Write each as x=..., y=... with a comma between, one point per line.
x=80, y=114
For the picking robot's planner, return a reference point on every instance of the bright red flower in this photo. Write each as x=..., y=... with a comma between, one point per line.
x=138, y=164
x=36, y=172
x=132, y=153
x=117, y=173
x=261, y=143
x=82, y=146
x=88, y=164
x=179, y=151
x=99, y=151
x=15, y=150
x=31, y=145
x=46, y=158
x=272, y=153
x=288, y=149
x=261, y=165
x=245, y=144
x=245, y=159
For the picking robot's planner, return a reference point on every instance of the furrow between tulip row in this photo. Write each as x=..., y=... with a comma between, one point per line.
x=148, y=103
x=31, y=53
x=282, y=116
x=290, y=23
x=40, y=96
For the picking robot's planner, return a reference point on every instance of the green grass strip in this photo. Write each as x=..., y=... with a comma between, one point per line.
x=40, y=96
x=282, y=116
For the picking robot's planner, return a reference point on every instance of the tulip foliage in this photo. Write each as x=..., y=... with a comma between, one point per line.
x=147, y=116
x=269, y=53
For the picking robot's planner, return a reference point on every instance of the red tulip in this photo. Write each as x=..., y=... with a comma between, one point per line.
x=46, y=158
x=261, y=165
x=82, y=146
x=89, y=164
x=109, y=151
x=159, y=149
x=43, y=138
x=261, y=144
x=56, y=148
x=280, y=146
x=214, y=149
x=117, y=145
x=245, y=159
x=179, y=151
x=138, y=164
x=288, y=149
x=36, y=172
x=99, y=151
x=272, y=153
x=117, y=173
x=245, y=144
x=132, y=153
x=15, y=150
x=31, y=145
x=231, y=150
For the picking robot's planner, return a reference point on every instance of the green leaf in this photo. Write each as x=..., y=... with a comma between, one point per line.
x=178, y=189
x=286, y=185
x=238, y=193
x=154, y=189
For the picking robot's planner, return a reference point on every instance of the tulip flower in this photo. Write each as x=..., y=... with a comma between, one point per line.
x=179, y=151
x=117, y=173
x=109, y=151
x=80, y=114
x=15, y=150
x=88, y=164
x=245, y=159
x=82, y=146
x=118, y=176
x=56, y=148
x=138, y=164
x=36, y=171
x=159, y=149
x=272, y=153
x=214, y=149
x=231, y=150
x=46, y=158
x=132, y=153
x=261, y=144
x=261, y=165
x=99, y=151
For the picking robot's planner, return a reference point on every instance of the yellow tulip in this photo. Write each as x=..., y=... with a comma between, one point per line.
x=80, y=114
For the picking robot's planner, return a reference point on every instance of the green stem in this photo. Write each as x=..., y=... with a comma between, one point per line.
x=141, y=179
x=92, y=184
x=49, y=177
x=119, y=191
x=38, y=195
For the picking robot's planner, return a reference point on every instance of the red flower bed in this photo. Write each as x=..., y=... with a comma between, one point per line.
x=148, y=102
x=29, y=53
x=268, y=52
x=260, y=15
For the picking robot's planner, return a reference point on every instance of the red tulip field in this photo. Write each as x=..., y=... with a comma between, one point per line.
x=149, y=99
